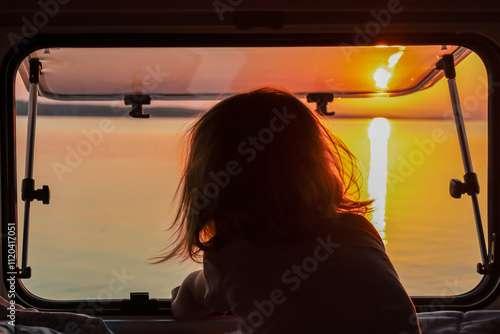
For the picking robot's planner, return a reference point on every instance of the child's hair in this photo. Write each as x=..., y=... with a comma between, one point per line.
x=261, y=166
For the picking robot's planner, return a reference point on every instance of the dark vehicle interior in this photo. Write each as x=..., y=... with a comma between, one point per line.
x=96, y=98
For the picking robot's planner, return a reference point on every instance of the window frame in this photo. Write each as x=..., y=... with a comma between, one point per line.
x=487, y=290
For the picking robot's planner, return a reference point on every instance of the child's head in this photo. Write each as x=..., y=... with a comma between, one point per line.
x=260, y=164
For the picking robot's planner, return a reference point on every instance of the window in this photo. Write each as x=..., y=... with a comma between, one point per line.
x=113, y=176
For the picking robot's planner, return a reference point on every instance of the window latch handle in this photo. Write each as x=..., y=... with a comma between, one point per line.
x=30, y=193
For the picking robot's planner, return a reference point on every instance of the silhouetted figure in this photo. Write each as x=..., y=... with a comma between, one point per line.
x=269, y=201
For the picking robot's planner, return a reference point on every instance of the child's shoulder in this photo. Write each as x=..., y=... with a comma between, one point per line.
x=352, y=218
x=357, y=224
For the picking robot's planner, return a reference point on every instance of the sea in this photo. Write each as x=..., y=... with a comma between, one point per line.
x=113, y=182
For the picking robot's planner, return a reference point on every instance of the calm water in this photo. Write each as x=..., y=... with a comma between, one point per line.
x=111, y=204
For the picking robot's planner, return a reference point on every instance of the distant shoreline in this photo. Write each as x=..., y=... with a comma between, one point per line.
x=102, y=111
x=170, y=112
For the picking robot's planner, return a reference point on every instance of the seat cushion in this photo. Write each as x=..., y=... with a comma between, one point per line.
x=451, y=322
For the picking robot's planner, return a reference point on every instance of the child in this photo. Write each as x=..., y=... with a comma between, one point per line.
x=268, y=199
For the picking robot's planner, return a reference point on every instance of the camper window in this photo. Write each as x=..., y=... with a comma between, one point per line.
x=113, y=174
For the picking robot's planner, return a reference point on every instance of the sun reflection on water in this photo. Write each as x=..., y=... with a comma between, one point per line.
x=378, y=132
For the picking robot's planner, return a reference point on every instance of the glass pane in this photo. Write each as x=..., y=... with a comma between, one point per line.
x=192, y=73
x=113, y=179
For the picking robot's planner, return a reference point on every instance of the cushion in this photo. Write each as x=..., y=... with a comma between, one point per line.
x=451, y=322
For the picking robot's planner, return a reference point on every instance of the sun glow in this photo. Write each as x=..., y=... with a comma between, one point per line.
x=378, y=132
x=393, y=60
x=382, y=77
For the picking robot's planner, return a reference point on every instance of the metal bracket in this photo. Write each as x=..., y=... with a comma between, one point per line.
x=321, y=100
x=137, y=101
x=28, y=192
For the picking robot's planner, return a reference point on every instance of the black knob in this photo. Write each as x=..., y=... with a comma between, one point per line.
x=43, y=195
x=457, y=188
x=46, y=194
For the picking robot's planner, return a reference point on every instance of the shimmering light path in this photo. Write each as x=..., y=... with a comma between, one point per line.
x=378, y=132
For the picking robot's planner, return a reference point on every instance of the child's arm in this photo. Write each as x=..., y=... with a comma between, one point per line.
x=188, y=301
